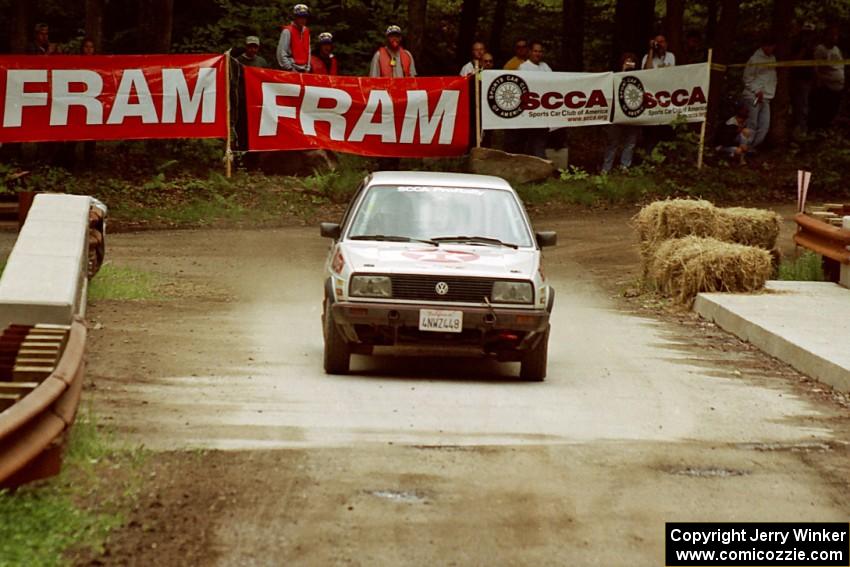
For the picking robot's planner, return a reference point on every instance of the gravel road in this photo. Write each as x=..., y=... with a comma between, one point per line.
x=437, y=461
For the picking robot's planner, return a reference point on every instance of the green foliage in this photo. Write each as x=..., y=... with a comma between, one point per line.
x=41, y=522
x=122, y=283
x=806, y=267
x=338, y=185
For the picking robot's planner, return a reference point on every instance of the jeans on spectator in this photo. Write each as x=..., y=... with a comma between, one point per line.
x=800, y=91
x=759, y=120
x=731, y=151
x=625, y=136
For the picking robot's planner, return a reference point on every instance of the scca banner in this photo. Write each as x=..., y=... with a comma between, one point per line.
x=112, y=97
x=416, y=117
x=533, y=99
x=659, y=96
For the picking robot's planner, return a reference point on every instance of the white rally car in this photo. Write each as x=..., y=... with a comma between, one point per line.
x=437, y=260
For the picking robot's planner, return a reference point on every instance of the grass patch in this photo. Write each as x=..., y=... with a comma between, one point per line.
x=122, y=283
x=44, y=521
x=806, y=267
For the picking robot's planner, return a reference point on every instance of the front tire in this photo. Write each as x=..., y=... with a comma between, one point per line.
x=534, y=362
x=337, y=357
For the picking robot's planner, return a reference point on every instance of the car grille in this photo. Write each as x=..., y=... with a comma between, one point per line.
x=424, y=288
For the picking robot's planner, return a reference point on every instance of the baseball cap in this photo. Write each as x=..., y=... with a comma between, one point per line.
x=326, y=37
x=393, y=29
x=252, y=40
x=301, y=10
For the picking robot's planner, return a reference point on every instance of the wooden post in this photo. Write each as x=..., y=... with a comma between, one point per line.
x=704, y=120
x=477, y=77
x=228, y=153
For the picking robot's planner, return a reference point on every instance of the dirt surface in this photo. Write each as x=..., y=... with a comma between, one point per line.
x=261, y=459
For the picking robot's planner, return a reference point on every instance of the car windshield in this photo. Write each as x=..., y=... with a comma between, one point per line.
x=425, y=213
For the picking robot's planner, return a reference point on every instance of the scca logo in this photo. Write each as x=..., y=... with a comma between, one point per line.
x=634, y=99
x=504, y=96
x=572, y=100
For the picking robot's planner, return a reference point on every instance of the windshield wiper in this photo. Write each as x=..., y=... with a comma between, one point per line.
x=392, y=238
x=475, y=240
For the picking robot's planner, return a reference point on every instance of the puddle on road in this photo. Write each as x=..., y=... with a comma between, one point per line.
x=709, y=472
x=403, y=496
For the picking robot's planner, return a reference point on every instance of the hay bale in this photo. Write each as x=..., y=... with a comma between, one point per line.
x=673, y=218
x=683, y=267
x=751, y=227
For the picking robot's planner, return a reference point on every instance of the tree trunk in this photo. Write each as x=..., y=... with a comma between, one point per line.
x=495, y=45
x=633, y=26
x=417, y=11
x=572, y=46
x=711, y=24
x=94, y=23
x=780, y=106
x=726, y=35
x=467, y=32
x=155, y=22
x=673, y=28
x=20, y=28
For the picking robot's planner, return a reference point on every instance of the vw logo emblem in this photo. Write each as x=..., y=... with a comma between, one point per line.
x=442, y=288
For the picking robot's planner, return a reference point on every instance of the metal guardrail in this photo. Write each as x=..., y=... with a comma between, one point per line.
x=32, y=431
x=823, y=238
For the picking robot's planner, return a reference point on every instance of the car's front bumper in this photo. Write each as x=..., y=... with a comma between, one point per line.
x=497, y=331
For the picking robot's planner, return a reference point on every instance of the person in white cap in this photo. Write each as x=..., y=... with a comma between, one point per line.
x=251, y=57
x=392, y=60
x=293, y=48
x=323, y=62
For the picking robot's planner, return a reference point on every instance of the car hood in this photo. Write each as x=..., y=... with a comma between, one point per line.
x=449, y=259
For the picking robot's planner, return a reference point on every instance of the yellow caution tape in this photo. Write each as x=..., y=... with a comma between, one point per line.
x=800, y=63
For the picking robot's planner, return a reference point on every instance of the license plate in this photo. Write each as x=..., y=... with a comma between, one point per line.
x=440, y=321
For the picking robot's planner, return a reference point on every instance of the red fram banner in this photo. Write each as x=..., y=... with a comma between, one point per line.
x=110, y=97
x=375, y=117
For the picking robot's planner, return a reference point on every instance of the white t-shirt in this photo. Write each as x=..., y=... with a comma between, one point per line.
x=669, y=60
x=467, y=69
x=830, y=76
x=529, y=66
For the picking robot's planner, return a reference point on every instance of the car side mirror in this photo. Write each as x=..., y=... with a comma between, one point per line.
x=330, y=230
x=546, y=238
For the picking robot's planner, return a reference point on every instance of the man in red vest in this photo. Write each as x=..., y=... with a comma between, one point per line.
x=393, y=60
x=323, y=61
x=293, y=49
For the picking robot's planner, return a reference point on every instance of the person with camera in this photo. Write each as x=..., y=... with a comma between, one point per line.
x=658, y=56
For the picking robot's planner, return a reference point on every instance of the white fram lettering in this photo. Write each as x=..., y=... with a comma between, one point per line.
x=417, y=112
x=312, y=113
x=365, y=125
x=63, y=98
x=133, y=80
x=174, y=89
x=17, y=97
x=272, y=111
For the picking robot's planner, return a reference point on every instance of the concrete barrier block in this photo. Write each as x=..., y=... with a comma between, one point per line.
x=45, y=275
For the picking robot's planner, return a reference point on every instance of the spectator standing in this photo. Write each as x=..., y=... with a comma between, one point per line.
x=759, y=89
x=694, y=50
x=392, y=60
x=658, y=57
x=802, y=78
x=41, y=41
x=323, y=62
x=478, y=50
x=520, y=55
x=87, y=47
x=535, y=138
x=487, y=61
x=621, y=135
x=251, y=56
x=826, y=98
x=293, y=48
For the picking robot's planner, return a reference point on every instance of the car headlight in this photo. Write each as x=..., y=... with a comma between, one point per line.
x=512, y=292
x=371, y=286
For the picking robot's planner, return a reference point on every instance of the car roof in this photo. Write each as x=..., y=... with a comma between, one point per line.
x=435, y=179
